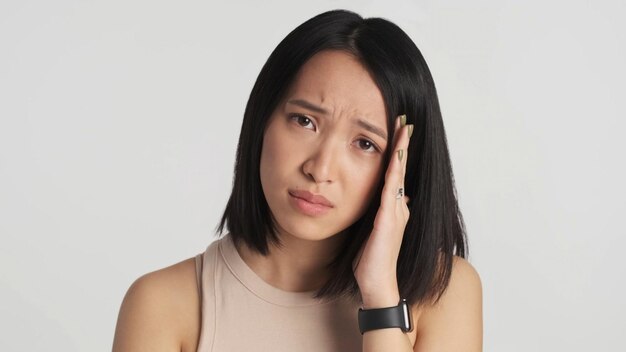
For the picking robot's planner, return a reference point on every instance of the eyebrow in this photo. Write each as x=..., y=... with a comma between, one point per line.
x=310, y=106
x=375, y=130
x=362, y=123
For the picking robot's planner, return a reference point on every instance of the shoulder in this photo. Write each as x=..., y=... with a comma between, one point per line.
x=454, y=323
x=464, y=278
x=160, y=311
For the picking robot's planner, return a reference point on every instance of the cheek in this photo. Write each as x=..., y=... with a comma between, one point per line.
x=275, y=157
x=364, y=178
x=268, y=162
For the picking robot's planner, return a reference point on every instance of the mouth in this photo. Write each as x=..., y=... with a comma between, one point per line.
x=310, y=204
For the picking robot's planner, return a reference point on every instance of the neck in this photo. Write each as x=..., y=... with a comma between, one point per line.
x=297, y=266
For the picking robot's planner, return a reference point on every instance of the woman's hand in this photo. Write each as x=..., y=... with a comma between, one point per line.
x=375, y=266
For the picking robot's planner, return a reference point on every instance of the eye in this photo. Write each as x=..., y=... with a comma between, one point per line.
x=302, y=120
x=367, y=145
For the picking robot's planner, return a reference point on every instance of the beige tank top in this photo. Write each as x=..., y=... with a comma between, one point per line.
x=242, y=312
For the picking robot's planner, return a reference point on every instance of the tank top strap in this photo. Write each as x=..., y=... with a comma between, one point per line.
x=199, y=273
x=208, y=267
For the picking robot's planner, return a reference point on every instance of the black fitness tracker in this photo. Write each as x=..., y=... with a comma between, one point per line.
x=382, y=318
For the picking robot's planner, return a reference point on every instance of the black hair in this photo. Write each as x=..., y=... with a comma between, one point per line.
x=435, y=231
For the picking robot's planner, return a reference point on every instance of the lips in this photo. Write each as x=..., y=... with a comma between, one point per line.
x=312, y=198
x=309, y=204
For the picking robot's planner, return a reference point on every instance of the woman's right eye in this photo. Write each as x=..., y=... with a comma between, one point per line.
x=302, y=120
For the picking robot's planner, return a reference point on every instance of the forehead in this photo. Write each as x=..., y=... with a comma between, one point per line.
x=339, y=83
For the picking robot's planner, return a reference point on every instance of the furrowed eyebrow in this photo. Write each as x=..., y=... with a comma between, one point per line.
x=375, y=130
x=305, y=104
x=362, y=123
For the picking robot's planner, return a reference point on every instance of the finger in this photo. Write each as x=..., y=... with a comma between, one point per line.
x=401, y=149
x=409, y=131
x=394, y=176
x=405, y=146
x=398, y=123
x=405, y=205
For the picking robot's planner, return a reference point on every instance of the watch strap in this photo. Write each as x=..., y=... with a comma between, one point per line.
x=382, y=318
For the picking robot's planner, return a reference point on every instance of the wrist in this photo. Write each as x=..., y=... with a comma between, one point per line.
x=381, y=299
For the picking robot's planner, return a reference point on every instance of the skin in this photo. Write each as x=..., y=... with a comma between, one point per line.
x=325, y=153
x=328, y=154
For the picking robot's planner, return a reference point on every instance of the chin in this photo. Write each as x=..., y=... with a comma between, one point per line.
x=307, y=231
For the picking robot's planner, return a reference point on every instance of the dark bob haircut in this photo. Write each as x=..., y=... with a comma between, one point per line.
x=435, y=231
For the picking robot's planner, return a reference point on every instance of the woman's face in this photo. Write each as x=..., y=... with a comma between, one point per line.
x=326, y=137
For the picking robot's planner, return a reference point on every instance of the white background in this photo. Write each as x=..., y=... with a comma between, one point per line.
x=119, y=122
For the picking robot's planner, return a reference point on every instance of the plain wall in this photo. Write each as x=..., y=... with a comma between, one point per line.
x=119, y=122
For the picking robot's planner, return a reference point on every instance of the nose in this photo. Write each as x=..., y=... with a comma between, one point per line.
x=320, y=164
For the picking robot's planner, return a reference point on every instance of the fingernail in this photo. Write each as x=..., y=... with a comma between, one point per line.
x=410, y=130
x=402, y=120
x=400, y=154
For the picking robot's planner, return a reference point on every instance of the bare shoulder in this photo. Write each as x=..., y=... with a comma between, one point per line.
x=160, y=311
x=454, y=323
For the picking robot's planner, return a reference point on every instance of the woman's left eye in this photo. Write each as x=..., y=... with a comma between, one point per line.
x=367, y=145
x=302, y=120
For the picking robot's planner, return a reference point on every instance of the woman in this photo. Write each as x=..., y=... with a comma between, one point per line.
x=343, y=229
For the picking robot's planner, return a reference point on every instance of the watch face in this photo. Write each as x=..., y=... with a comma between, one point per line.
x=407, y=316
